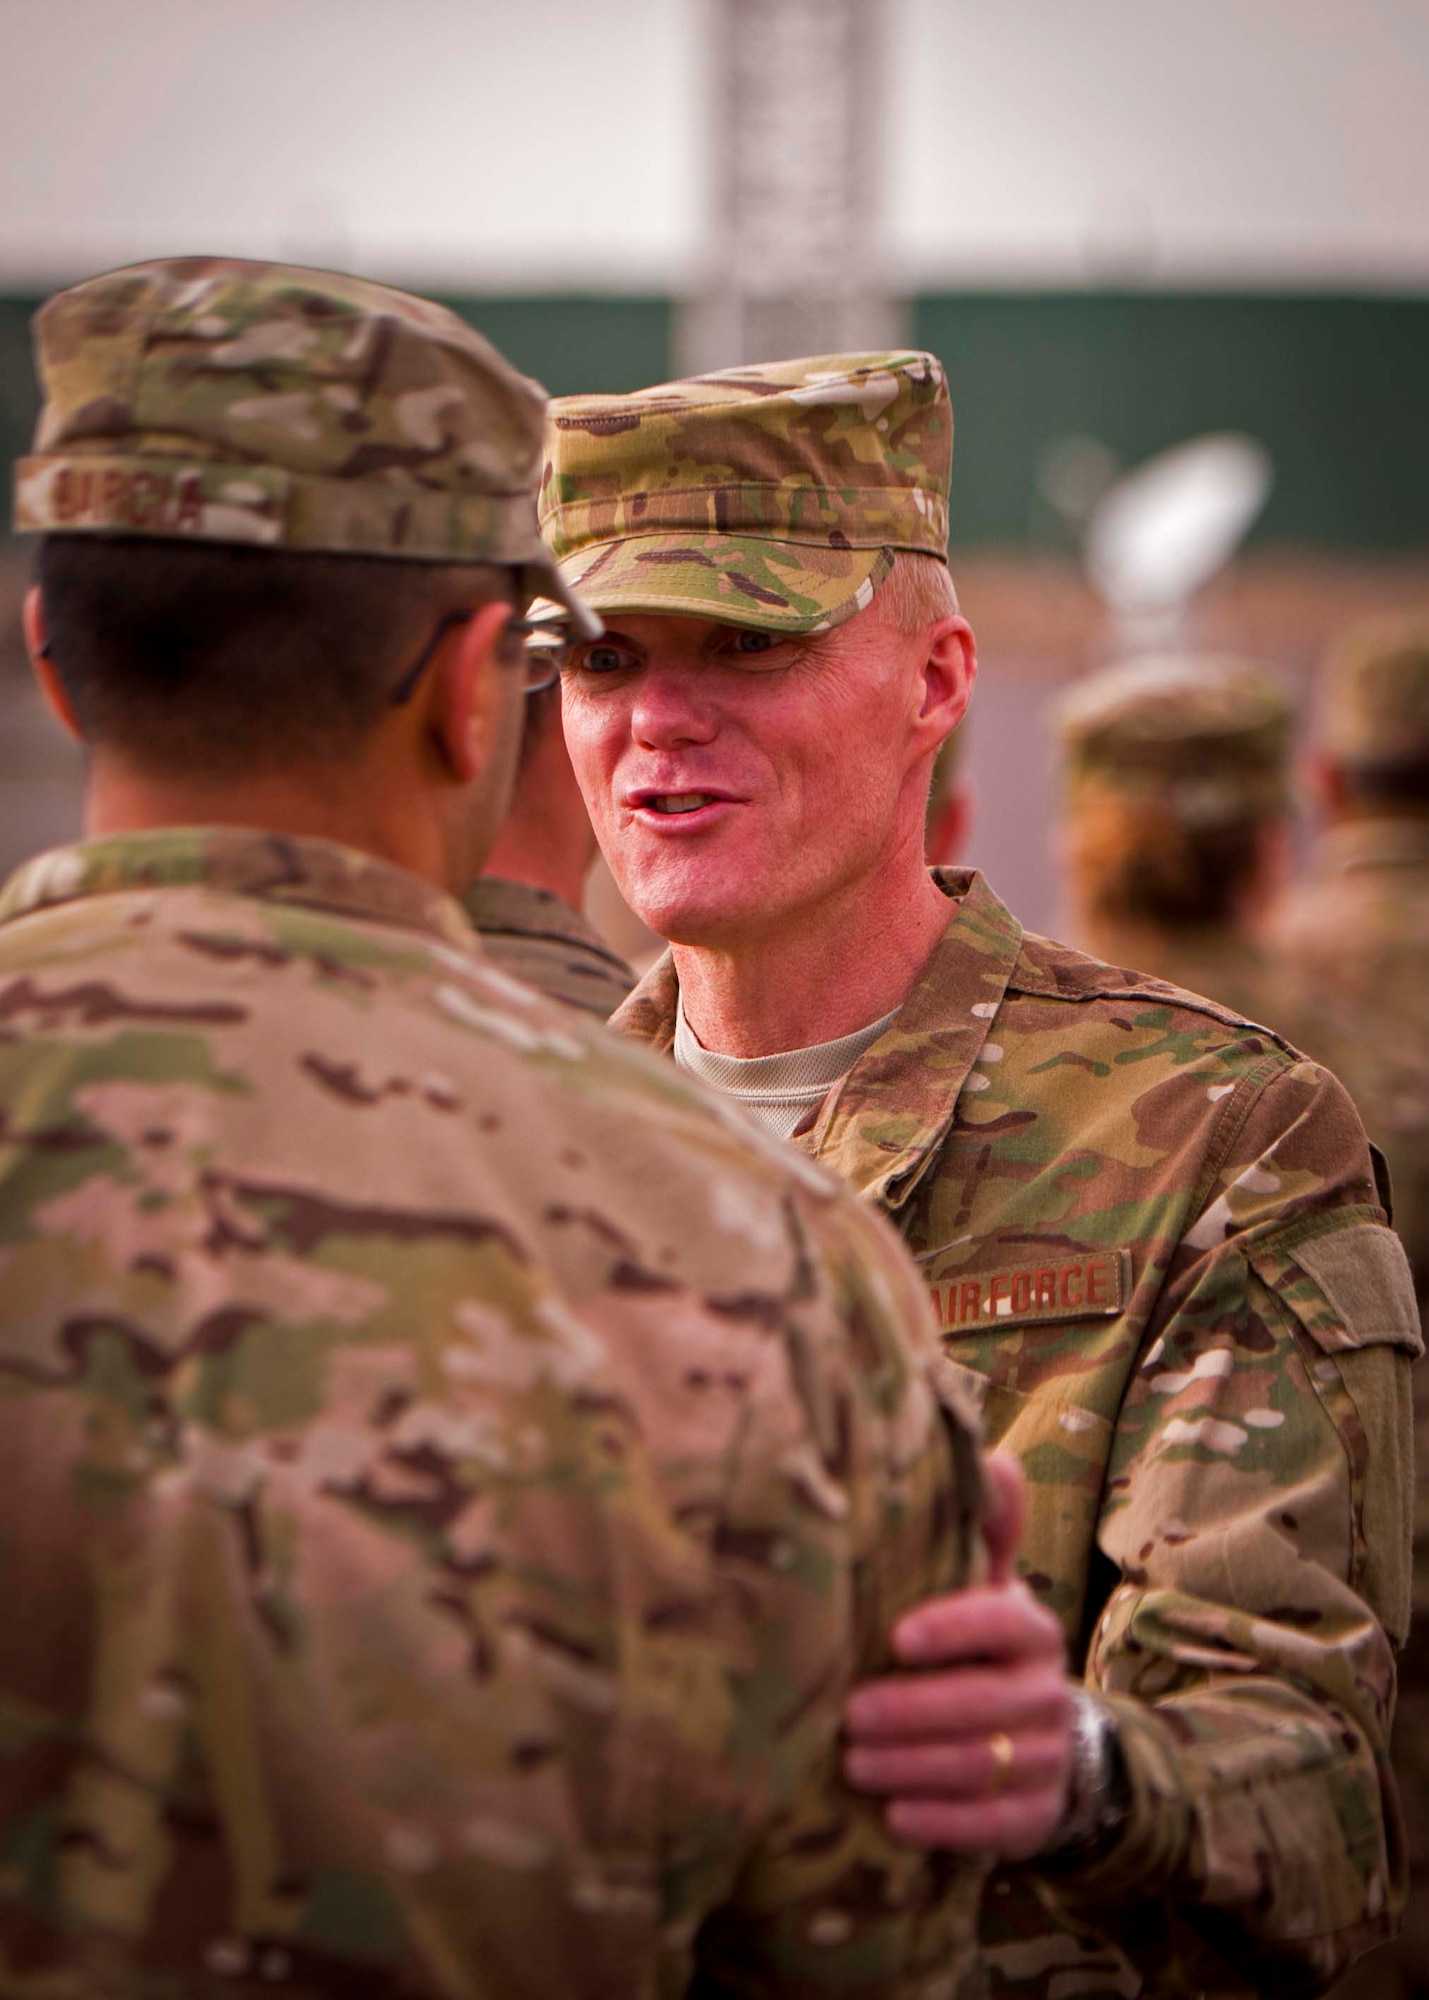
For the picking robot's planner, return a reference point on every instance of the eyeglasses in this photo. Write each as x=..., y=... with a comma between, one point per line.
x=545, y=643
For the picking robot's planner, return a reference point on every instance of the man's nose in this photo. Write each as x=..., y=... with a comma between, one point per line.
x=673, y=706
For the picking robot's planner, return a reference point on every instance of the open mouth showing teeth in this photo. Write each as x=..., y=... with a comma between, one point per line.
x=680, y=802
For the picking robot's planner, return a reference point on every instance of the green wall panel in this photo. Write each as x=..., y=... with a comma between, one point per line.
x=578, y=343
x=17, y=389
x=1337, y=388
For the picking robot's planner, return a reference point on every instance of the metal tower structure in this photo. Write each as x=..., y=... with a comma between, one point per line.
x=796, y=131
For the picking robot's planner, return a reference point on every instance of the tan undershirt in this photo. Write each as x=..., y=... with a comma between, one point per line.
x=777, y=1092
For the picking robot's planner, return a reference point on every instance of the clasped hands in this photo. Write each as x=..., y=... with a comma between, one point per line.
x=972, y=1740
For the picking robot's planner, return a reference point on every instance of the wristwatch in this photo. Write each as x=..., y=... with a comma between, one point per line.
x=1099, y=1795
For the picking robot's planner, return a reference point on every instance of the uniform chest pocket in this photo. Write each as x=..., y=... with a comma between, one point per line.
x=1063, y=1448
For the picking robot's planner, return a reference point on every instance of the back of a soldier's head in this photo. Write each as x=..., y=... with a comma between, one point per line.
x=1176, y=770
x=259, y=489
x=1372, y=717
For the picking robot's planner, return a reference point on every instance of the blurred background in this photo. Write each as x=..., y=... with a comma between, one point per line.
x=1123, y=227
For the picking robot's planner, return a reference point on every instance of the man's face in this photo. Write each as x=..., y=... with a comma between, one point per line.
x=737, y=779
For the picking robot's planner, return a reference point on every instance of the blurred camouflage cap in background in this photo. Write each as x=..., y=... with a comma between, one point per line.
x=209, y=399
x=770, y=496
x=1209, y=738
x=1372, y=703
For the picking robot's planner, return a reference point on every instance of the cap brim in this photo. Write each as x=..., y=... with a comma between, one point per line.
x=751, y=580
x=544, y=580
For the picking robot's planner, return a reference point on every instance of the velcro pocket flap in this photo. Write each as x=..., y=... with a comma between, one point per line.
x=1365, y=1277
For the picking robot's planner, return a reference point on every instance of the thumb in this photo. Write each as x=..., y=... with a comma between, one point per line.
x=1006, y=1515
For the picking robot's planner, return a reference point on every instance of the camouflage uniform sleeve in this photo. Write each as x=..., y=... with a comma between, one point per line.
x=1257, y=1508
x=826, y=1901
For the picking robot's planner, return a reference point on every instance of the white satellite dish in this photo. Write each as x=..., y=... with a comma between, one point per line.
x=1164, y=530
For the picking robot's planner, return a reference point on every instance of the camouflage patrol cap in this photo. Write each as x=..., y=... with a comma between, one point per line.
x=1373, y=697
x=1209, y=738
x=208, y=399
x=770, y=496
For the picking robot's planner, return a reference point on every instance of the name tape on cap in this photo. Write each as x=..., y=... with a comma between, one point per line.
x=139, y=496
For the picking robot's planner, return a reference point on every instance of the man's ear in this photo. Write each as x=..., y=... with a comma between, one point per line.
x=470, y=690
x=37, y=645
x=949, y=671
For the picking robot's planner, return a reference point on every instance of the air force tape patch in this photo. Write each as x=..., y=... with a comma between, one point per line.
x=1090, y=1285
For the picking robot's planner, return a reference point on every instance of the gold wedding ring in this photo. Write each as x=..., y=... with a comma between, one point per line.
x=1000, y=1744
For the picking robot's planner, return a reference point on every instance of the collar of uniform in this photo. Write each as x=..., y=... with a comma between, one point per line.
x=882, y=1126
x=884, y=1123
x=648, y=1015
x=1390, y=842
x=272, y=866
x=516, y=909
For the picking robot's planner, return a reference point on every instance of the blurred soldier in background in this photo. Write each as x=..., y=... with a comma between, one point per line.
x=448, y=1478
x=1355, y=935
x=1175, y=831
x=1150, y=1231
x=527, y=904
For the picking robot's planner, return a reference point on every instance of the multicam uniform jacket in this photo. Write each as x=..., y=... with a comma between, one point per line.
x=449, y=1474
x=535, y=935
x=1153, y=1240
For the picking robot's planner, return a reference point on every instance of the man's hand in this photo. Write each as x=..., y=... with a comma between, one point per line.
x=977, y=1755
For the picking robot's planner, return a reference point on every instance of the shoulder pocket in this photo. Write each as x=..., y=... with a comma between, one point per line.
x=1352, y=1296
x=1365, y=1277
